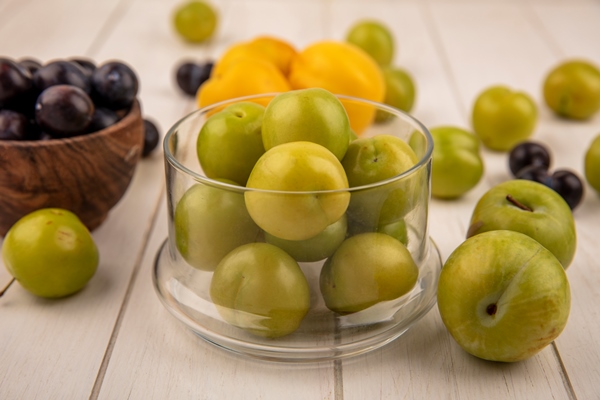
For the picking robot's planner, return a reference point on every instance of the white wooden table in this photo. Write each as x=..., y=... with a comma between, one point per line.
x=114, y=340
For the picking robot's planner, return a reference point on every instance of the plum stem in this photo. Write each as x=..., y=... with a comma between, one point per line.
x=491, y=309
x=518, y=203
x=6, y=287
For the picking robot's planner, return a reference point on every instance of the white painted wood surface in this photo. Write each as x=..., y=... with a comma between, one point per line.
x=114, y=340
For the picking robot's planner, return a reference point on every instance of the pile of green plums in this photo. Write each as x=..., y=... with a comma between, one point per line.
x=281, y=193
x=503, y=293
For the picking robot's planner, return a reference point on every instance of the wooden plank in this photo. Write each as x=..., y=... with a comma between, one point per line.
x=47, y=29
x=571, y=28
x=444, y=44
x=171, y=362
x=55, y=348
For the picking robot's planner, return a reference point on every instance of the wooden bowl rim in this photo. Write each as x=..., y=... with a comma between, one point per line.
x=133, y=115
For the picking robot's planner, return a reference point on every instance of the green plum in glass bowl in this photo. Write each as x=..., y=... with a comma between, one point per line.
x=258, y=267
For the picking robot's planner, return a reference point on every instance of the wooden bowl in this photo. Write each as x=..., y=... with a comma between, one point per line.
x=85, y=174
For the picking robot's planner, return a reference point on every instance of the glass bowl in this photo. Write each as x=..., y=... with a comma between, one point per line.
x=184, y=265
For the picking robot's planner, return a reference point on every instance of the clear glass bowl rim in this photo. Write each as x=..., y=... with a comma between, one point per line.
x=175, y=163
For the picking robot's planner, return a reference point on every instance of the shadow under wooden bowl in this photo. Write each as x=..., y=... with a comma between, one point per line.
x=85, y=174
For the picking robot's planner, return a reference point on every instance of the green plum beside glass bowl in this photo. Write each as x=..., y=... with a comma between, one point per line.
x=293, y=323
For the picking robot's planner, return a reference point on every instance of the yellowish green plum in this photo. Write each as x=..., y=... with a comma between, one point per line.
x=365, y=270
x=195, y=21
x=592, y=164
x=260, y=288
x=502, y=118
x=210, y=222
x=230, y=142
x=400, y=91
x=503, y=296
x=376, y=159
x=50, y=253
x=398, y=229
x=572, y=89
x=311, y=115
x=282, y=174
x=530, y=208
x=317, y=247
x=457, y=165
x=374, y=38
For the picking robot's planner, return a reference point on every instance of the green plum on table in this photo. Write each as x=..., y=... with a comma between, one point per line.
x=592, y=164
x=456, y=165
x=365, y=270
x=400, y=92
x=530, y=208
x=50, y=253
x=311, y=115
x=374, y=38
x=502, y=117
x=376, y=159
x=195, y=21
x=503, y=296
x=572, y=89
x=210, y=222
x=260, y=288
x=230, y=142
x=282, y=175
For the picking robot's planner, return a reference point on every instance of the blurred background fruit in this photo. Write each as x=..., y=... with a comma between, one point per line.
x=572, y=89
x=190, y=75
x=503, y=117
x=246, y=77
x=375, y=39
x=400, y=91
x=341, y=68
x=195, y=21
x=266, y=48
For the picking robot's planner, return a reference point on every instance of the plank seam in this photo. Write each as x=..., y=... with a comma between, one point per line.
x=113, y=19
x=443, y=56
x=117, y=327
x=563, y=373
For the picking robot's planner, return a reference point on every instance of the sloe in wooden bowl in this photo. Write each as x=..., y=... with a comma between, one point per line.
x=86, y=174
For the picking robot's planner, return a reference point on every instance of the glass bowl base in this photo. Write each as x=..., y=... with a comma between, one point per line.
x=323, y=335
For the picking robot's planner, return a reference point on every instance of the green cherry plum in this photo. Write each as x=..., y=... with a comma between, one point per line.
x=195, y=21
x=400, y=91
x=365, y=270
x=502, y=117
x=457, y=165
x=592, y=164
x=50, y=253
x=396, y=229
x=297, y=167
x=374, y=38
x=209, y=222
x=530, y=208
x=230, y=142
x=260, y=288
x=317, y=247
x=572, y=89
x=503, y=296
x=376, y=159
x=311, y=115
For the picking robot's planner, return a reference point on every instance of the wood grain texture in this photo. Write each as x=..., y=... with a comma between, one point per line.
x=115, y=340
x=86, y=174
